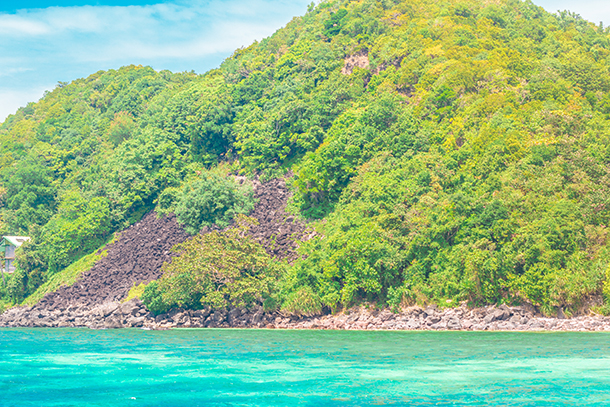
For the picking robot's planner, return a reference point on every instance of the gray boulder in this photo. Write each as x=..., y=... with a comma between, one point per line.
x=454, y=324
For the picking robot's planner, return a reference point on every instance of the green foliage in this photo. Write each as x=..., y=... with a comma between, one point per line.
x=141, y=168
x=354, y=139
x=454, y=151
x=121, y=128
x=30, y=259
x=75, y=166
x=27, y=277
x=212, y=200
x=78, y=228
x=302, y=301
x=219, y=270
x=16, y=286
x=136, y=291
x=153, y=299
x=4, y=305
x=413, y=230
x=29, y=197
x=333, y=25
x=202, y=116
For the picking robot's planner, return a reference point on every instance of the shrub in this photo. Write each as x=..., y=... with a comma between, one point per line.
x=303, y=301
x=135, y=291
x=16, y=285
x=213, y=199
x=218, y=269
x=79, y=227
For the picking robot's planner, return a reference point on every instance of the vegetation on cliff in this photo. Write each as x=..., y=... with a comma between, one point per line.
x=447, y=152
x=217, y=270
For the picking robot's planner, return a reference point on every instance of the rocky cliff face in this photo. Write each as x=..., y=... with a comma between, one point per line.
x=139, y=253
x=278, y=231
x=137, y=256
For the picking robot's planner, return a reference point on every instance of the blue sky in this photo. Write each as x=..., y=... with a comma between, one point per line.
x=43, y=42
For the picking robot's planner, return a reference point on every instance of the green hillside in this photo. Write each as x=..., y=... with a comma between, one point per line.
x=447, y=151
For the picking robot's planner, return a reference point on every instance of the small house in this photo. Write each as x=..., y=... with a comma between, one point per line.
x=8, y=245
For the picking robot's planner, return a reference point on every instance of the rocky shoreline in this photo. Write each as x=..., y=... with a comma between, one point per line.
x=133, y=314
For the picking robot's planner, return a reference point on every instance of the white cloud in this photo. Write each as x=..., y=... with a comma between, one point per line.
x=11, y=25
x=39, y=47
x=113, y=20
x=163, y=30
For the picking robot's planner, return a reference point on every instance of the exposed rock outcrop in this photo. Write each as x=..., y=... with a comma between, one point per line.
x=278, y=231
x=355, y=61
x=140, y=251
x=136, y=256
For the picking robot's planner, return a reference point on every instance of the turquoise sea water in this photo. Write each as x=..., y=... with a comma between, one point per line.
x=79, y=367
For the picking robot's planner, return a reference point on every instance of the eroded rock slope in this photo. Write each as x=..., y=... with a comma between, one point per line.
x=139, y=253
x=137, y=256
x=279, y=232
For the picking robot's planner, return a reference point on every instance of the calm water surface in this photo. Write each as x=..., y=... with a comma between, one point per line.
x=79, y=367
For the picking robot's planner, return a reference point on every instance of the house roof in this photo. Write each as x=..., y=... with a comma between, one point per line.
x=15, y=240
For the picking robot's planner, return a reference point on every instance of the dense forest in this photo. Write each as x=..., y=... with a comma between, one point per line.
x=445, y=152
